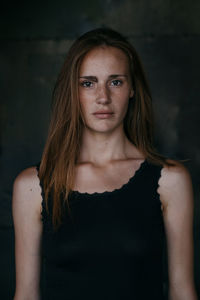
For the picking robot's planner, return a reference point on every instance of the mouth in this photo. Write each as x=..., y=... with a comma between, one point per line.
x=103, y=114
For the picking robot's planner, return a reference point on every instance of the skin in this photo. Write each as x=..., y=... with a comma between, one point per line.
x=107, y=161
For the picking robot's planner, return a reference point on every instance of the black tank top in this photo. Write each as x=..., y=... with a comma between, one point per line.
x=111, y=246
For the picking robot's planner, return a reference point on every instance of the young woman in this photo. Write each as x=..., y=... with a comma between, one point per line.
x=93, y=215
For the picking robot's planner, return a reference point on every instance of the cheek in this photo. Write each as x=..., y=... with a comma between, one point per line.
x=122, y=99
x=87, y=98
x=84, y=95
x=122, y=105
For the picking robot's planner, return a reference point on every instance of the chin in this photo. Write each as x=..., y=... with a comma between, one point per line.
x=102, y=129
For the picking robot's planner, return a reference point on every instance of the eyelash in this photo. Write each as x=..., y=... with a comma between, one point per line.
x=117, y=80
x=84, y=83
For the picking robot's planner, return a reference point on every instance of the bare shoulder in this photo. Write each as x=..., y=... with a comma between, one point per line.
x=175, y=183
x=26, y=189
x=175, y=173
x=27, y=180
x=27, y=177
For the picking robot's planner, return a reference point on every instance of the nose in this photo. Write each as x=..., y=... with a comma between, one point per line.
x=103, y=95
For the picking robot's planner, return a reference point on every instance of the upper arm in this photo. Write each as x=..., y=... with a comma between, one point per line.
x=176, y=195
x=26, y=210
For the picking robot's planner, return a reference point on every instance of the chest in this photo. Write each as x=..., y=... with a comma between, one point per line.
x=92, y=179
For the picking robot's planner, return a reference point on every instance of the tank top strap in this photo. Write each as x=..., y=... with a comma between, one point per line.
x=154, y=171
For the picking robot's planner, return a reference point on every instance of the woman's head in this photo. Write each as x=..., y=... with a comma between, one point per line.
x=67, y=106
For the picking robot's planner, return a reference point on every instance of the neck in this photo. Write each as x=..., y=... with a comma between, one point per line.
x=101, y=148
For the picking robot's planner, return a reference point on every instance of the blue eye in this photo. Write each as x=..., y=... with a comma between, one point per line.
x=86, y=84
x=116, y=82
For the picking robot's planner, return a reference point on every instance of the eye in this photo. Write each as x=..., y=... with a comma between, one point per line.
x=86, y=84
x=116, y=82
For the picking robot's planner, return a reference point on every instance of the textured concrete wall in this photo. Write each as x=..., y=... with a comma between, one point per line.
x=34, y=39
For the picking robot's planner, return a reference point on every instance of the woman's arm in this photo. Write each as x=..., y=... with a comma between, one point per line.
x=26, y=210
x=176, y=196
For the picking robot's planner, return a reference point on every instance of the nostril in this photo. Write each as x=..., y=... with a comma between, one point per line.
x=103, y=99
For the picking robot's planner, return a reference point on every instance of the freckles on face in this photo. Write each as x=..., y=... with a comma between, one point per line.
x=105, y=83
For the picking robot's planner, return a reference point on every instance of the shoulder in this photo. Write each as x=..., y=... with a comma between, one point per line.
x=174, y=173
x=26, y=189
x=27, y=179
x=175, y=183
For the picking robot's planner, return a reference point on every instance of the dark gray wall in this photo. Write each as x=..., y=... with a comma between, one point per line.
x=34, y=39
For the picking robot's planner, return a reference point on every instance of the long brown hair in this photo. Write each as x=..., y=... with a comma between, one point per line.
x=61, y=152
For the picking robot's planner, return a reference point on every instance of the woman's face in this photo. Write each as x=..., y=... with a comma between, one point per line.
x=104, y=88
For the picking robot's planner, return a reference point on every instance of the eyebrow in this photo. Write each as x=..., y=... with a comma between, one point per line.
x=94, y=78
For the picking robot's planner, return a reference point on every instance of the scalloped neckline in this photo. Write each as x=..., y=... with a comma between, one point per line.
x=141, y=167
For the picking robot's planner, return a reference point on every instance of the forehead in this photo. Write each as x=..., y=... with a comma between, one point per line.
x=105, y=58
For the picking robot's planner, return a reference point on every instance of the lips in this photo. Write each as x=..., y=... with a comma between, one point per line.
x=103, y=112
